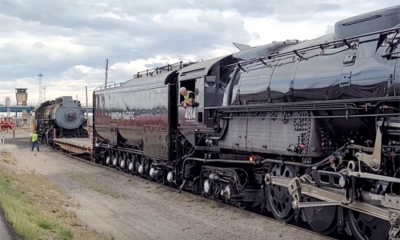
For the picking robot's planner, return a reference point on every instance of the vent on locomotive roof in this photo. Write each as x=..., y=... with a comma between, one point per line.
x=368, y=22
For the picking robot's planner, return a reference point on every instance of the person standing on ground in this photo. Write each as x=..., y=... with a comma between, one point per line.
x=34, y=141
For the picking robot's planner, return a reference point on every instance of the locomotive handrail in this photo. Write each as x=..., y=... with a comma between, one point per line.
x=157, y=70
x=106, y=85
x=311, y=104
x=344, y=41
x=298, y=52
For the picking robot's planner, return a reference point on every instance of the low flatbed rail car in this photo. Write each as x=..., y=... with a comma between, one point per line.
x=74, y=145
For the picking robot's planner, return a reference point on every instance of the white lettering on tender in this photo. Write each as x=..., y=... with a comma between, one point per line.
x=121, y=115
x=190, y=113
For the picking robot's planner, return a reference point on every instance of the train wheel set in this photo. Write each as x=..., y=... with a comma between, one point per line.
x=304, y=130
x=278, y=192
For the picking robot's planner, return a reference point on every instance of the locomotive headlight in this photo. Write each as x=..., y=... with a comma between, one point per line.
x=253, y=158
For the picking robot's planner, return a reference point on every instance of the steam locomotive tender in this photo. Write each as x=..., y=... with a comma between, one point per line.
x=63, y=114
x=307, y=129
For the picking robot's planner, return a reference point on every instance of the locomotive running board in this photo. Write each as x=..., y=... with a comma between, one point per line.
x=300, y=186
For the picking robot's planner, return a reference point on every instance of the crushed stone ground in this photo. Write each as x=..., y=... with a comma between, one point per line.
x=134, y=209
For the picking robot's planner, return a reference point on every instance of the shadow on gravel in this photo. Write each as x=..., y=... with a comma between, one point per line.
x=22, y=143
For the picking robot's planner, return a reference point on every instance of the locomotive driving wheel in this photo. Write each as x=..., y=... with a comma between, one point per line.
x=321, y=219
x=367, y=227
x=278, y=197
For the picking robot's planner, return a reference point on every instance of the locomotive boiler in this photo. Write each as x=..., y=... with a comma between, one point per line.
x=63, y=117
x=300, y=129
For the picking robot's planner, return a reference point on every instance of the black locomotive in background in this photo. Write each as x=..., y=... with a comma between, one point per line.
x=64, y=115
x=296, y=128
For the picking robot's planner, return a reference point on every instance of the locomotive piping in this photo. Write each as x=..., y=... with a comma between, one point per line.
x=311, y=105
x=318, y=164
x=221, y=135
x=204, y=160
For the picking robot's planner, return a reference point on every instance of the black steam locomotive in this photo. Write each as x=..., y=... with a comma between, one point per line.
x=307, y=129
x=64, y=115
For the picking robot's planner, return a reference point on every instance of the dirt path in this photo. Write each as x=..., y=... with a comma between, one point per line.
x=131, y=209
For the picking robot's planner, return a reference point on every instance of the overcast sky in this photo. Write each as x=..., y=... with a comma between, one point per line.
x=68, y=41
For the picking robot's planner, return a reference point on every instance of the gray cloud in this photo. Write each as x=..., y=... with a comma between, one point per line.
x=53, y=37
x=116, y=38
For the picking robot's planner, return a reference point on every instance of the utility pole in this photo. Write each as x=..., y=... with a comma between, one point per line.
x=106, y=73
x=8, y=106
x=40, y=75
x=87, y=110
x=44, y=94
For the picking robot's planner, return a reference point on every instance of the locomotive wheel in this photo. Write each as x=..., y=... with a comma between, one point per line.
x=45, y=138
x=114, y=163
x=108, y=158
x=367, y=227
x=321, y=219
x=123, y=161
x=49, y=137
x=41, y=139
x=131, y=163
x=279, y=197
x=111, y=158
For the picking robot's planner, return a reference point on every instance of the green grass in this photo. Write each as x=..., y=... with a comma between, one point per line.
x=66, y=234
x=28, y=219
x=36, y=209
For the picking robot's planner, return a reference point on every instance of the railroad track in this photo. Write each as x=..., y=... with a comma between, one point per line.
x=297, y=225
